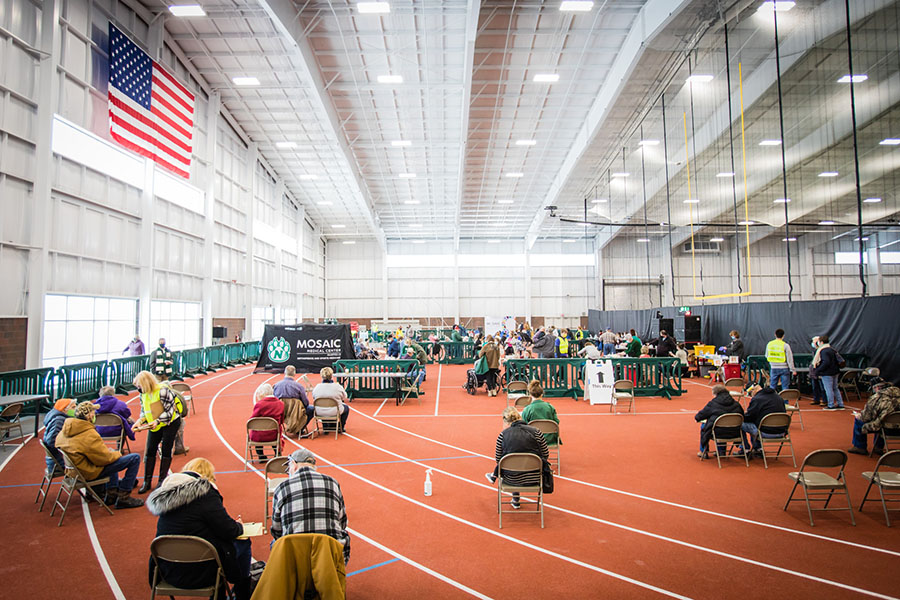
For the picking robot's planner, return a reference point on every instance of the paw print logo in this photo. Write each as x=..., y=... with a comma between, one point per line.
x=279, y=350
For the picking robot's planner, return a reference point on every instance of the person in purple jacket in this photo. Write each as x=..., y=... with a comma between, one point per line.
x=135, y=347
x=110, y=404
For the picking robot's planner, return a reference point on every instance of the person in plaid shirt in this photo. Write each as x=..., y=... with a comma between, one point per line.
x=309, y=502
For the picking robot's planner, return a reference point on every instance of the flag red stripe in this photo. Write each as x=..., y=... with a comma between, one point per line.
x=175, y=82
x=150, y=123
x=166, y=133
x=185, y=127
x=127, y=126
x=164, y=84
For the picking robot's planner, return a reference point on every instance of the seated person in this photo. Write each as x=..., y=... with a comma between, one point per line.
x=266, y=405
x=722, y=403
x=329, y=389
x=189, y=503
x=517, y=436
x=764, y=401
x=110, y=404
x=81, y=442
x=539, y=409
x=289, y=389
x=416, y=373
x=437, y=350
x=645, y=352
x=393, y=349
x=53, y=424
x=681, y=355
x=309, y=502
x=884, y=400
x=590, y=351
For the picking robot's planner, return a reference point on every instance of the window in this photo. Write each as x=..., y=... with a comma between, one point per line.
x=83, y=328
x=178, y=322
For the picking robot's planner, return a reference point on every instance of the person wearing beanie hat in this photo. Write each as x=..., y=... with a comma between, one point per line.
x=309, y=502
x=84, y=447
x=53, y=424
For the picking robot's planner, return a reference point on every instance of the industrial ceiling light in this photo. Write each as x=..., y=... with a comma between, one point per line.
x=285, y=145
x=348, y=242
x=621, y=174
x=546, y=78
x=575, y=6
x=790, y=239
x=872, y=200
x=324, y=203
x=828, y=174
x=600, y=200
x=569, y=241
x=187, y=10
x=390, y=79
x=372, y=8
x=505, y=201
x=648, y=143
x=776, y=6
x=407, y=176
x=770, y=143
x=642, y=240
x=746, y=223
x=308, y=177
x=515, y=175
x=245, y=81
x=526, y=142
x=889, y=142
x=692, y=201
x=338, y=225
x=493, y=241
x=781, y=200
x=725, y=174
x=700, y=78
x=401, y=143
x=853, y=78
x=826, y=222
x=717, y=239
x=411, y=202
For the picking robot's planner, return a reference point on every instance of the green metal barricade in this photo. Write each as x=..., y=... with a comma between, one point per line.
x=215, y=357
x=458, y=353
x=122, y=371
x=192, y=362
x=82, y=381
x=651, y=376
x=234, y=354
x=251, y=351
x=371, y=387
x=29, y=381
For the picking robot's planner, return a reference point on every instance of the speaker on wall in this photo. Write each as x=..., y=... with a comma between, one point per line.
x=220, y=332
x=692, y=329
x=668, y=325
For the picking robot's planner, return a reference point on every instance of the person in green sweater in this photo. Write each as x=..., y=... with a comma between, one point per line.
x=633, y=349
x=540, y=410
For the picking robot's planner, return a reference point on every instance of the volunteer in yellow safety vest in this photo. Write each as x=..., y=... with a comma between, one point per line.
x=160, y=412
x=562, y=344
x=781, y=361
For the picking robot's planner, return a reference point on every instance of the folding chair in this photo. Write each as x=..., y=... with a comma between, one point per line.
x=521, y=462
x=889, y=432
x=71, y=483
x=792, y=404
x=185, y=390
x=261, y=424
x=326, y=403
x=775, y=421
x=184, y=549
x=849, y=382
x=818, y=485
x=12, y=414
x=516, y=390
x=888, y=482
x=48, y=477
x=274, y=466
x=409, y=389
x=546, y=426
x=522, y=402
x=735, y=387
x=112, y=420
x=721, y=437
x=623, y=391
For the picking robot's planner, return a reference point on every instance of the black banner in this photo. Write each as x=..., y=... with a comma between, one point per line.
x=307, y=346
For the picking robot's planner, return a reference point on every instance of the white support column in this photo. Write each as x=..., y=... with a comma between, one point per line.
x=301, y=231
x=279, y=259
x=456, y=315
x=148, y=235
x=807, y=271
x=252, y=157
x=874, y=279
x=384, y=285
x=599, y=274
x=209, y=222
x=41, y=223
x=528, y=306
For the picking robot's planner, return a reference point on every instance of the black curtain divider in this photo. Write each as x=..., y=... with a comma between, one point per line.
x=869, y=326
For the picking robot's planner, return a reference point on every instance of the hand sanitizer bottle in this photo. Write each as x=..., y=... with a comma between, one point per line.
x=428, y=482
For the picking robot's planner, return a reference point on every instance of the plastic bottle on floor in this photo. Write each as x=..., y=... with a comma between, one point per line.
x=428, y=482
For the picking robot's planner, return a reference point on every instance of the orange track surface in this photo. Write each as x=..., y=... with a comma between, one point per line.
x=634, y=515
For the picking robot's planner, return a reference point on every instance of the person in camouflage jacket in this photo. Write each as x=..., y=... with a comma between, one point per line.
x=884, y=401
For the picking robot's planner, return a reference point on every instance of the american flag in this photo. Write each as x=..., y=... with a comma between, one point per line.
x=149, y=111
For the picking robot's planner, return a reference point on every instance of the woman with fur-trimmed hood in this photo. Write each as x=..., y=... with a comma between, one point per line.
x=188, y=503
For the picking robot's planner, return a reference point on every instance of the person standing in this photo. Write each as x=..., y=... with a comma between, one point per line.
x=491, y=353
x=736, y=347
x=608, y=339
x=817, y=388
x=161, y=361
x=563, y=343
x=135, y=347
x=826, y=365
x=781, y=362
x=665, y=346
x=160, y=415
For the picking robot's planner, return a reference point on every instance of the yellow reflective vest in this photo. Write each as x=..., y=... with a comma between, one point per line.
x=563, y=345
x=775, y=351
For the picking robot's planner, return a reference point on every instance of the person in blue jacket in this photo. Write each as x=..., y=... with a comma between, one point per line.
x=53, y=424
x=393, y=350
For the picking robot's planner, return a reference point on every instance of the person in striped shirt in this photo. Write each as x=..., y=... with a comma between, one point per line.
x=518, y=437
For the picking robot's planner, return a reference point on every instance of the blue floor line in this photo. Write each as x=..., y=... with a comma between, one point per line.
x=381, y=564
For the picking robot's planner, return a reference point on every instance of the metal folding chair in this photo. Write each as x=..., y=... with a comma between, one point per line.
x=71, y=483
x=546, y=426
x=520, y=462
x=184, y=549
x=729, y=421
x=776, y=421
x=275, y=466
x=818, y=485
x=887, y=482
x=792, y=404
x=261, y=424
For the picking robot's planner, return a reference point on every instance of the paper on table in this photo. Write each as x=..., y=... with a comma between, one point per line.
x=252, y=530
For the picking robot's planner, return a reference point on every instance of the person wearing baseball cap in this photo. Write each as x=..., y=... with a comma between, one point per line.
x=83, y=445
x=309, y=502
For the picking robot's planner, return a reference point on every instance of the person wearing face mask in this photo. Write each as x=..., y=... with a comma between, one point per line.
x=53, y=424
x=817, y=388
x=161, y=361
x=135, y=347
x=736, y=347
x=84, y=447
x=160, y=415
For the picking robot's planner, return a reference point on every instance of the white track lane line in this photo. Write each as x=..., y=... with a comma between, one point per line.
x=380, y=407
x=403, y=558
x=505, y=537
x=655, y=500
x=16, y=451
x=437, y=397
x=635, y=530
x=98, y=550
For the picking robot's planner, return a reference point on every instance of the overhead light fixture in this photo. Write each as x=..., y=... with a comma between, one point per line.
x=575, y=6
x=546, y=78
x=245, y=81
x=826, y=222
x=418, y=241
x=781, y=200
x=515, y=175
x=692, y=201
x=308, y=177
x=526, y=142
x=493, y=241
x=852, y=78
x=285, y=145
x=407, y=176
x=746, y=223
x=505, y=201
x=372, y=8
x=865, y=239
x=828, y=174
x=770, y=143
x=717, y=239
x=569, y=241
x=348, y=242
x=700, y=78
x=642, y=240
x=325, y=203
x=600, y=200
x=872, y=200
x=725, y=174
x=621, y=174
x=338, y=225
x=390, y=79
x=187, y=10
x=648, y=143
x=411, y=202
x=776, y=6
x=790, y=239
x=889, y=142
x=401, y=143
